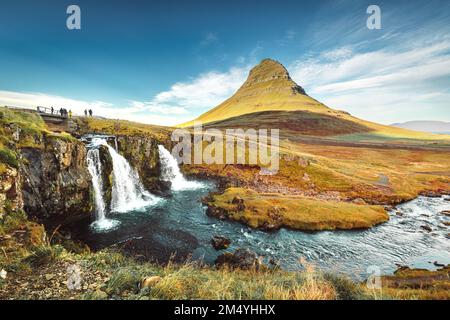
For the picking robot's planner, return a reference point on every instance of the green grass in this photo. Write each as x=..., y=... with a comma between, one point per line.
x=8, y=157
x=296, y=212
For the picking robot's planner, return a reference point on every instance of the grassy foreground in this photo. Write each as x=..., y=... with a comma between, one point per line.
x=40, y=267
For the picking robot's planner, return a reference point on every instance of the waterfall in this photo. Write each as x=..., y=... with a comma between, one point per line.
x=95, y=169
x=127, y=191
x=171, y=172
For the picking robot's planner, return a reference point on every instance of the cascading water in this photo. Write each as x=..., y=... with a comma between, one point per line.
x=95, y=169
x=127, y=191
x=171, y=172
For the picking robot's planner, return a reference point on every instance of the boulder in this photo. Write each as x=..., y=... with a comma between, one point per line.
x=446, y=213
x=220, y=243
x=426, y=228
x=241, y=258
x=150, y=282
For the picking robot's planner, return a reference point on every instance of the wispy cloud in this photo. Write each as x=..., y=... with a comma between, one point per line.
x=205, y=91
x=386, y=85
x=209, y=38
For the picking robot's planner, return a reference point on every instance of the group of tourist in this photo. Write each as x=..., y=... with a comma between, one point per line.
x=63, y=112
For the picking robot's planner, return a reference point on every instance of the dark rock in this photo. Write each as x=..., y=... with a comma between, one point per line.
x=437, y=264
x=220, y=243
x=217, y=212
x=446, y=213
x=239, y=202
x=241, y=258
x=431, y=194
x=426, y=228
x=56, y=182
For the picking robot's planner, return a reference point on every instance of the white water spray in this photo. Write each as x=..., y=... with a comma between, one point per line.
x=127, y=191
x=95, y=169
x=171, y=172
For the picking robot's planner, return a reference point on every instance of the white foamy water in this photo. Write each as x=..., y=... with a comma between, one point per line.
x=171, y=172
x=128, y=194
x=95, y=169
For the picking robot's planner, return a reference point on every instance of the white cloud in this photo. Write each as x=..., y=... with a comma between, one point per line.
x=205, y=91
x=171, y=107
x=136, y=111
x=385, y=85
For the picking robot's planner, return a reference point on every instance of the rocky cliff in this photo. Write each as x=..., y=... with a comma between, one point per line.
x=56, y=183
x=42, y=173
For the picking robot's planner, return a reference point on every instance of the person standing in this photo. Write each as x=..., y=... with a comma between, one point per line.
x=70, y=114
x=90, y=113
x=85, y=112
x=53, y=110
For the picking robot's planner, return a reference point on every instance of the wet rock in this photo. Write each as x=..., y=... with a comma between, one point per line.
x=150, y=282
x=241, y=258
x=274, y=263
x=437, y=264
x=426, y=228
x=431, y=194
x=217, y=212
x=446, y=213
x=220, y=243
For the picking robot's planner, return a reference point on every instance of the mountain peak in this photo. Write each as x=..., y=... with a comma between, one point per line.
x=272, y=71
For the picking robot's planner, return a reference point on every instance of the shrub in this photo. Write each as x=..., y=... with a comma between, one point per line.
x=8, y=157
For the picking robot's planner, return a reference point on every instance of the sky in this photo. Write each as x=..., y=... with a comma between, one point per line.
x=166, y=62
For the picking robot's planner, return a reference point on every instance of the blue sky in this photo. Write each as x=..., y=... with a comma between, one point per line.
x=167, y=62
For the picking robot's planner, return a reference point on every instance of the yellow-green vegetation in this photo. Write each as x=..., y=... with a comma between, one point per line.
x=122, y=127
x=23, y=128
x=296, y=212
x=420, y=284
x=268, y=87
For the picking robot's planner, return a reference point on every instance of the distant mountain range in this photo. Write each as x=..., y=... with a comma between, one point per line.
x=425, y=126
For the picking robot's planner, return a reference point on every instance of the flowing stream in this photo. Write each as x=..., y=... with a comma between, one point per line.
x=179, y=224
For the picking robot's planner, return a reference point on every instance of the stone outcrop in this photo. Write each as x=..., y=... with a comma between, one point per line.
x=10, y=193
x=142, y=154
x=241, y=258
x=56, y=182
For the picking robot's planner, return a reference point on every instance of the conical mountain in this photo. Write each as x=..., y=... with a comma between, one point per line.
x=268, y=87
x=269, y=98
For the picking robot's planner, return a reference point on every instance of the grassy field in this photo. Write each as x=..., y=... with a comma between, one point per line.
x=265, y=210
